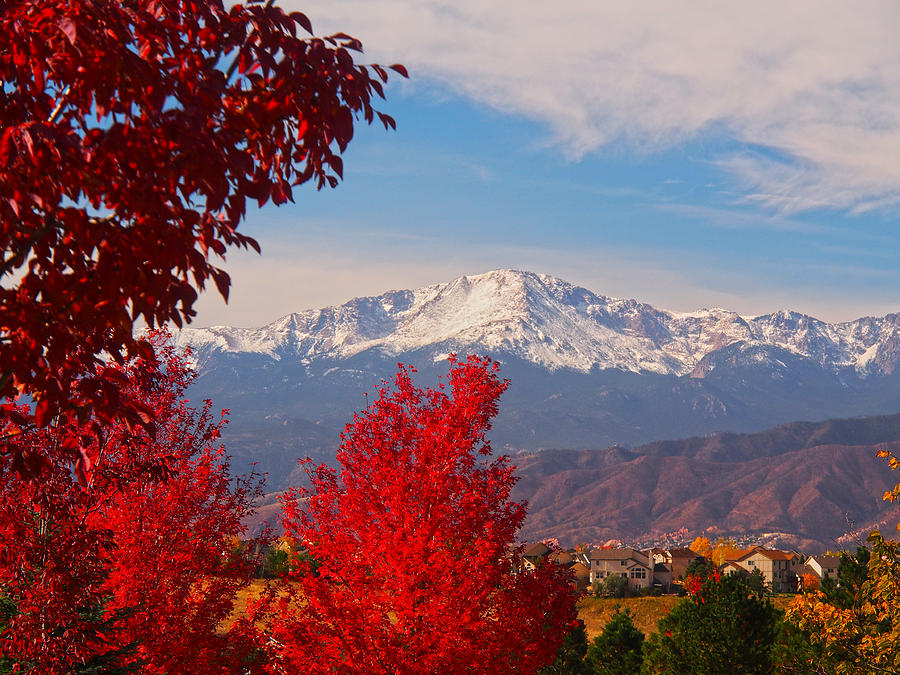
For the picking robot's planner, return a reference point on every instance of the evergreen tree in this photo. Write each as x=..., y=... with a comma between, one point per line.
x=850, y=577
x=570, y=659
x=617, y=650
x=725, y=627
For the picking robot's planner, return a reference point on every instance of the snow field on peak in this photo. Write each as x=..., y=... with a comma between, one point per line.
x=549, y=322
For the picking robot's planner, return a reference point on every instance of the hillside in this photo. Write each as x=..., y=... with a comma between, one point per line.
x=809, y=484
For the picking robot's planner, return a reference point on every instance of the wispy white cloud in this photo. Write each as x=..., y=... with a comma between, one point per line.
x=815, y=81
x=738, y=219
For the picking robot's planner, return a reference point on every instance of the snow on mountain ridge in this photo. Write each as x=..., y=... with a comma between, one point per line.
x=550, y=322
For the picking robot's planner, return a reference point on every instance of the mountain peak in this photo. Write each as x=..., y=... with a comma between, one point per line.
x=550, y=322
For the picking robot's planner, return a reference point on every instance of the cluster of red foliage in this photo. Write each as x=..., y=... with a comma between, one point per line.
x=412, y=540
x=134, y=567
x=132, y=135
x=693, y=583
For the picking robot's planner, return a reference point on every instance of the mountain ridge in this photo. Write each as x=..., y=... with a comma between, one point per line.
x=813, y=485
x=556, y=325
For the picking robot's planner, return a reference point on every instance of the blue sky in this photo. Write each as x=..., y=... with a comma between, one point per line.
x=687, y=156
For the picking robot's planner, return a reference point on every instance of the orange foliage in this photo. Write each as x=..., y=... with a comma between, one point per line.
x=810, y=582
x=701, y=546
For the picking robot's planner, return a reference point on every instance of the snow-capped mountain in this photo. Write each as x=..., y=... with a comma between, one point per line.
x=548, y=322
x=590, y=376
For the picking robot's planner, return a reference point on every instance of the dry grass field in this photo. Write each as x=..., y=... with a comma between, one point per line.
x=252, y=592
x=595, y=612
x=645, y=611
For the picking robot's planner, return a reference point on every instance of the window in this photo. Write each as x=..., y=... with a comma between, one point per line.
x=751, y=563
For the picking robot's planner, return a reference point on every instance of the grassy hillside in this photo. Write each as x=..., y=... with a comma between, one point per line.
x=645, y=611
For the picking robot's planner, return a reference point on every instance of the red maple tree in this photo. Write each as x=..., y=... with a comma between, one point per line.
x=132, y=135
x=415, y=572
x=130, y=566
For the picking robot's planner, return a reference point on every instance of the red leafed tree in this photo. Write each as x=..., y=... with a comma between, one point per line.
x=415, y=572
x=132, y=565
x=132, y=135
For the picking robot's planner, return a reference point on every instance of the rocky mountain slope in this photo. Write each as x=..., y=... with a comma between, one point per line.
x=814, y=486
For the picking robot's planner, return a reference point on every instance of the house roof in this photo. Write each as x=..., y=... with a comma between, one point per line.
x=683, y=553
x=778, y=555
x=621, y=554
x=731, y=566
x=771, y=554
x=562, y=558
x=741, y=553
x=536, y=550
x=614, y=553
x=827, y=561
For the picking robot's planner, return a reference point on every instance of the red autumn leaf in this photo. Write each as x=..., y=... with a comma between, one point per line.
x=400, y=69
x=301, y=18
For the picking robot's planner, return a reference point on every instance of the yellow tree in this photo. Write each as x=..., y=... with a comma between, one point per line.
x=864, y=638
x=724, y=549
x=701, y=546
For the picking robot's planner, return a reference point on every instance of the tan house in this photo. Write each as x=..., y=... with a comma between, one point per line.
x=731, y=567
x=636, y=567
x=778, y=568
x=670, y=565
x=562, y=558
x=680, y=559
x=569, y=560
x=582, y=576
x=824, y=565
x=662, y=576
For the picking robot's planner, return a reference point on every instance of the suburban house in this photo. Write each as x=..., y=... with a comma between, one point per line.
x=824, y=565
x=662, y=576
x=665, y=569
x=636, y=567
x=562, y=558
x=731, y=567
x=676, y=560
x=581, y=573
x=535, y=554
x=778, y=568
